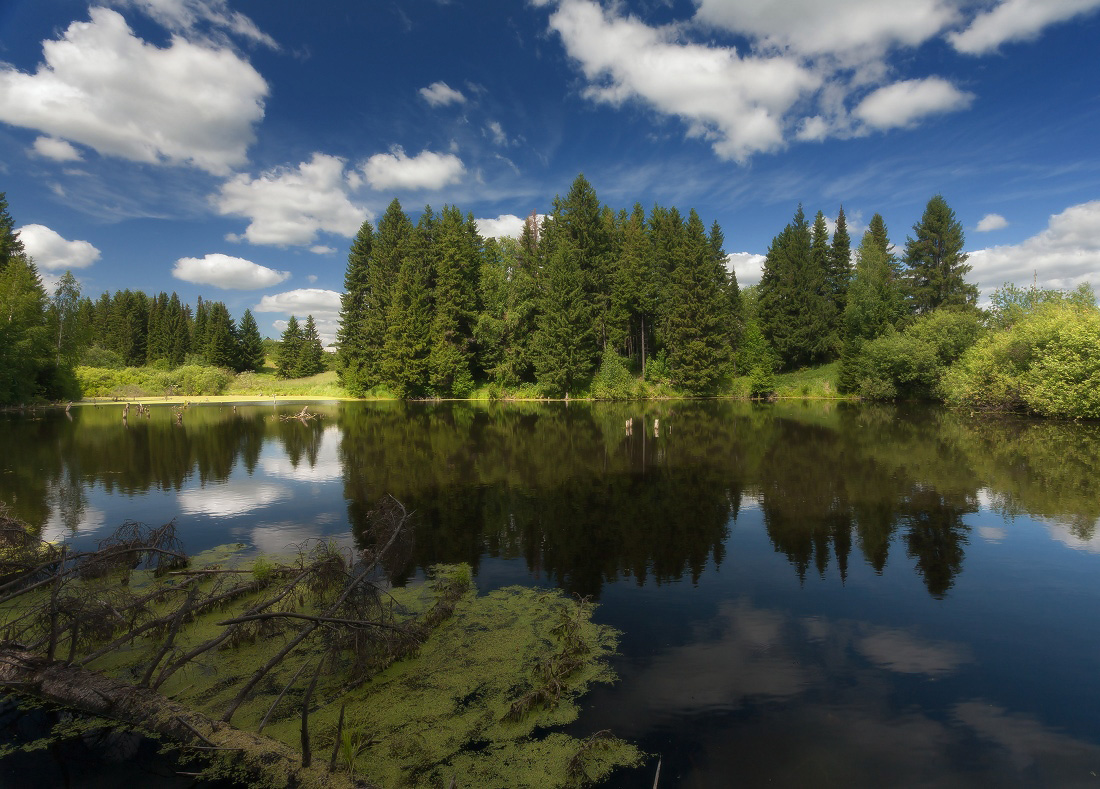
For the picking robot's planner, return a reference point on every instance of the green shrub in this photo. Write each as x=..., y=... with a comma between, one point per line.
x=613, y=381
x=761, y=381
x=1047, y=362
x=101, y=357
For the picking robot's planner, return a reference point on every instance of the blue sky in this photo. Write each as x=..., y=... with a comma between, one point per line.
x=232, y=149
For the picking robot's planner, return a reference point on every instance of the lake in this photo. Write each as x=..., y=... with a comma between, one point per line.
x=822, y=594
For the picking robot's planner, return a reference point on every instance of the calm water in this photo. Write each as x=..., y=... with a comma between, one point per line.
x=809, y=594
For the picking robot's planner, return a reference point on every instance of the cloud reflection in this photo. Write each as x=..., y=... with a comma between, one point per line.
x=230, y=501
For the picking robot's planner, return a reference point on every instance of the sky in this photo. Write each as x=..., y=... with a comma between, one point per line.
x=232, y=148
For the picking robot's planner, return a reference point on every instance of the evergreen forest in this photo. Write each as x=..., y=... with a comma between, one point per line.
x=594, y=301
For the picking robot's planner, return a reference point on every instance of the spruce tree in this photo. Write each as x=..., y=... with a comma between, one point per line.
x=221, y=337
x=732, y=292
x=580, y=219
x=455, y=305
x=179, y=331
x=198, y=330
x=698, y=328
x=11, y=247
x=250, y=353
x=290, y=345
x=564, y=346
x=311, y=354
x=351, y=343
x=388, y=250
x=25, y=347
x=793, y=310
x=636, y=285
x=840, y=264
x=936, y=261
x=407, y=345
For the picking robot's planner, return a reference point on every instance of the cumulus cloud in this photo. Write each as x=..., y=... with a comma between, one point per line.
x=321, y=249
x=52, y=252
x=903, y=103
x=991, y=222
x=230, y=273
x=1016, y=20
x=211, y=18
x=747, y=266
x=440, y=94
x=58, y=150
x=852, y=29
x=504, y=226
x=101, y=86
x=426, y=170
x=1063, y=255
x=291, y=205
x=737, y=103
x=323, y=305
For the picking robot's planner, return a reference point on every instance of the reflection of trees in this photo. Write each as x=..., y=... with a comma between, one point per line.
x=579, y=499
x=936, y=536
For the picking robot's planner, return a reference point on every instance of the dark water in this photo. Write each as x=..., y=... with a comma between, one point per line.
x=809, y=594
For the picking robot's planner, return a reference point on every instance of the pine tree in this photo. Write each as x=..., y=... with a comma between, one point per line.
x=579, y=219
x=311, y=353
x=936, y=261
x=636, y=284
x=198, y=330
x=250, y=352
x=351, y=353
x=290, y=345
x=734, y=320
x=698, y=329
x=564, y=345
x=157, y=344
x=179, y=331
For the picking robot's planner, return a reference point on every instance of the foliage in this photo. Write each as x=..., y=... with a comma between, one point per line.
x=290, y=348
x=613, y=381
x=1047, y=362
x=134, y=382
x=564, y=345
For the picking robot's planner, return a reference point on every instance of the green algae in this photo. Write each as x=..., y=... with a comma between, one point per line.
x=479, y=701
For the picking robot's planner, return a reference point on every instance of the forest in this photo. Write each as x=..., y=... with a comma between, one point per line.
x=596, y=302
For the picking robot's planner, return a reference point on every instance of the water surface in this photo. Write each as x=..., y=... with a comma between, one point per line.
x=809, y=594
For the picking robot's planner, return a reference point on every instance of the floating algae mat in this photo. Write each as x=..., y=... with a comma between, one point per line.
x=478, y=697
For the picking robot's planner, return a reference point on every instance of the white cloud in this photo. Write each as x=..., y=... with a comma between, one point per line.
x=426, y=170
x=1063, y=255
x=991, y=222
x=440, y=94
x=852, y=29
x=323, y=305
x=321, y=249
x=747, y=266
x=52, y=252
x=496, y=131
x=224, y=271
x=58, y=150
x=101, y=86
x=504, y=226
x=905, y=102
x=737, y=103
x=193, y=17
x=292, y=205
x=224, y=501
x=303, y=301
x=1016, y=20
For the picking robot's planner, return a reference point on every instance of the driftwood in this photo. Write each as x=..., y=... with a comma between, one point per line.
x=255, y=758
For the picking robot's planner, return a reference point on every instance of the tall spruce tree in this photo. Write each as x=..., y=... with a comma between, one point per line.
x=636, y=287
x=404, y=359
x=579, y=218
x=698, y=330
x=351, y=341
x=793, y=311
x=456, y=259
x=734, y=318
x=221, y=337
x=11, y=247
x=839, y=271
x=290, y=347
x=936, y=261
x=564, y=345
x=250, y=354
x=388, y=251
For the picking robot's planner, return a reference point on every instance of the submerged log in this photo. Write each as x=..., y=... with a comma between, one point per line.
x=255, y=758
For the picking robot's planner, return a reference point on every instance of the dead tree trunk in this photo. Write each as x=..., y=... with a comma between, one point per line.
x=261, y=759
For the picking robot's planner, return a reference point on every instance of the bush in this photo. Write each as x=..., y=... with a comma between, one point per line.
x=1047, y=362
x=761, y=381
x=101, y=357
x=613, y=380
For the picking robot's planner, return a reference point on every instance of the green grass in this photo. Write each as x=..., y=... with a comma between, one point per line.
x=266, y=384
